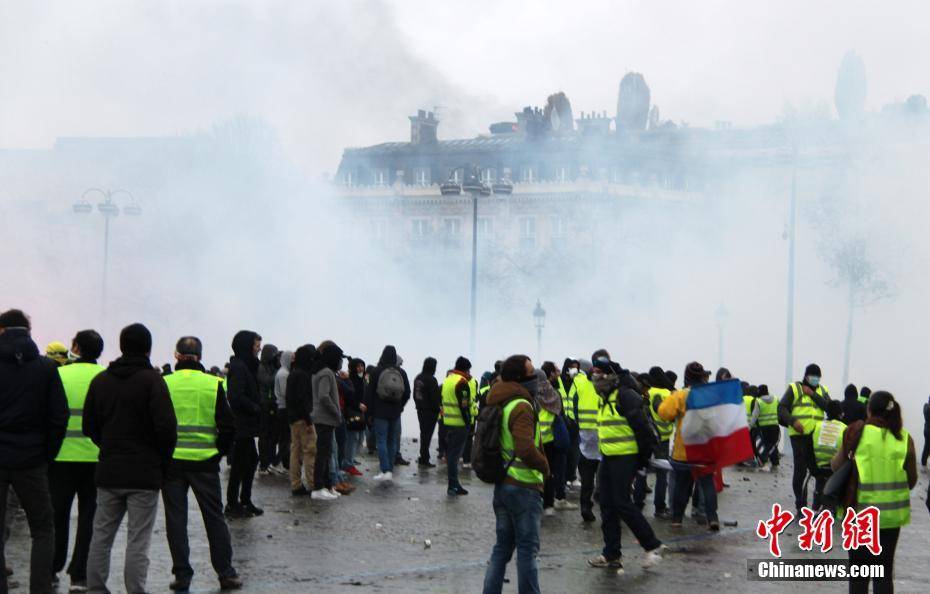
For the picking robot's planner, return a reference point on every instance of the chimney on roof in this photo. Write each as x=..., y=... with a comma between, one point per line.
x=423, y=127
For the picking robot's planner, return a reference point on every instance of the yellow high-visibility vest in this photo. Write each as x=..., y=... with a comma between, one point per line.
x=76, y=379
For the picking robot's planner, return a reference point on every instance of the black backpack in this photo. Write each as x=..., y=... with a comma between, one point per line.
x=487, y=461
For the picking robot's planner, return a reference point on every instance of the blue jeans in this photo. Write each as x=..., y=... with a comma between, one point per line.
x=386, y=432
x=518, y=511
x=353, y=440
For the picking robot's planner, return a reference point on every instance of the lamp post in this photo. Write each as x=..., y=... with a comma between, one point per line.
x=539, y=319
x=722, y=314
x=473, y=185
x=109, y=209
x=791, y=232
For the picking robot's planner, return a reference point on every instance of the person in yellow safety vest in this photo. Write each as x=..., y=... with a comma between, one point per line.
x=590, y=455
x=456, y=417
x=473, y=416
x=570, y=403
x=626, y=442
x=886, y=470
x=658, y=389
x=551, y=421
x=765, y=418
x=801, y=407
x=864, y=395
x=827, y=439
x=205, y=433
x=517, y=498
x=72, y=472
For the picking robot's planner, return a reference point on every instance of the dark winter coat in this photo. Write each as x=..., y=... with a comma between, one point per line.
x=378, y=408
x=853, y=410
x=269, y=363
x=426, y=393
x=129, y=415
x=242, y=383
x=225, y=430
x=33, y=406
x=298, y=394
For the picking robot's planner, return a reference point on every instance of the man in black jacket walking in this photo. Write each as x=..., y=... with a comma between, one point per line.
x=246, y=404
x=33, y=421
x=129, y=416
x=428, y=400
x=205, y=433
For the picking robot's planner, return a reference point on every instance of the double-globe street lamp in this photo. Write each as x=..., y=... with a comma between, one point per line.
x=473, y=185
x=109, y=209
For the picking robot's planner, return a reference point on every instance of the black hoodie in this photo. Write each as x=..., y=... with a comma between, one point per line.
x=242, y=382
x=378, y=408
x=298, y=394
x=129, y=415
x=853, y=410
x=33, y=406
x=426, y=393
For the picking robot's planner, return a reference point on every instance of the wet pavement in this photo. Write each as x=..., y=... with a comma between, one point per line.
x=374, y=540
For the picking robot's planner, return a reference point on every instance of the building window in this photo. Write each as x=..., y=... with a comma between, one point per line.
x=456, y=175
x=527, y=233
x=488, y=175
x=421, y=176
x=347, y=178
x=380, y=177
x=560, y=174
x=557, y=226
x=527, y=175
x=379, y=229
x=452, y=227
x=419, y=228
x=485, y=227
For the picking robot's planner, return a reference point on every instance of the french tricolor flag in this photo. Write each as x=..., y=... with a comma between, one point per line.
x=714, y=429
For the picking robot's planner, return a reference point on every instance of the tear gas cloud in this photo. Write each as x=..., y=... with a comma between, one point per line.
x=251, y=105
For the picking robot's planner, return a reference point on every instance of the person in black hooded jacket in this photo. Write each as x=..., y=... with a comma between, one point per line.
x=853, y=410
x=246, y=404
x=33, y=420
x=269, y=362
x=386, y=414
x=428, y=400
x=128, y=414
x=299, y=400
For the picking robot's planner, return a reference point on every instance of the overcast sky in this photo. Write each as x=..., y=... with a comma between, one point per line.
x=330, y=75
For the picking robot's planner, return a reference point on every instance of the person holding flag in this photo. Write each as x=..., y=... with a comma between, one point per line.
x=710, y=433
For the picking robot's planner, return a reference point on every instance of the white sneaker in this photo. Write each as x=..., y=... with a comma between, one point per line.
x=467, y=466
x=334, y=493
x=279, y=469
x=384, y=476
x=654, y=557
x=321, y=494
x=548, y=512
x=576, y=484
x=563, y=504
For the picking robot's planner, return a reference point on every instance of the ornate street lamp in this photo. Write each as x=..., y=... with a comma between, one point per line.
x=539, y=319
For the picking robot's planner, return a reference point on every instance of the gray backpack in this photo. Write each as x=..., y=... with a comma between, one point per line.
x=391, y=385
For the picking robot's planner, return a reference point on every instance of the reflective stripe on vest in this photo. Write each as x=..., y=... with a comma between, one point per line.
x=768, y=413
x=882, y=479
x=804, y=410
x=588, y=402
x=546, y=419
x=665, y=427
x=451, y=413
x=473, y=398
x=614, y=434
x=76, y=379
x=567, y=405
x=193, y=394
x=518, y=469
x=827, y=438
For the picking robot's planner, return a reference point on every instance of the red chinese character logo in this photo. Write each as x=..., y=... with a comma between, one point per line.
x=817, y=530
x=774, y=526
x=861, y=529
